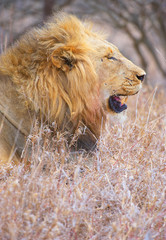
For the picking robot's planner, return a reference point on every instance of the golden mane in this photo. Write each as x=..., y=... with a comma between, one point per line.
x=62, y=96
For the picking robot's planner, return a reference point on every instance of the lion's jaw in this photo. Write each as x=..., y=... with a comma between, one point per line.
x=118, y=77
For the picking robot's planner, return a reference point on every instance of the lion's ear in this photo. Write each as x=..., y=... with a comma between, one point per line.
x=63, y=58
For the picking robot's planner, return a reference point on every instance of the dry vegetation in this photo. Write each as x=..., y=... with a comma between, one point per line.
x=116, y=193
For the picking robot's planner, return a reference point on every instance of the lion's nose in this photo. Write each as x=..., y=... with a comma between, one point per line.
x=141, y=77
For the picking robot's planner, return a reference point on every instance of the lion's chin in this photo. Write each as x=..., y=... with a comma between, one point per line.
x=117, y=104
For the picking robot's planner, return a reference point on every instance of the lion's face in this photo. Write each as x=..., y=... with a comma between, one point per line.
x=118, y=77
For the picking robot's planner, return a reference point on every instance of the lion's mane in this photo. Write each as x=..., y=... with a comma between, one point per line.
x=39, y=65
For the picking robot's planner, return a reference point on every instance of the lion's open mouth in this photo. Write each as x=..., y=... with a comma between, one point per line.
x=117, y=103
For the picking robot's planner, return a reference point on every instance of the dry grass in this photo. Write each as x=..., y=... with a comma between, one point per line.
x=118, y=193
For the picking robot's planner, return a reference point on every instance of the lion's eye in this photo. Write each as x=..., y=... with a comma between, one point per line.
x=113, y=58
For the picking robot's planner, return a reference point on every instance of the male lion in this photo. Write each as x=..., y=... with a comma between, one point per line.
x=63, y=73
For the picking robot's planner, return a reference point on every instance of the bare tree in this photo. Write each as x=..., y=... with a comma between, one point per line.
x=49, y=5
x=47, y=8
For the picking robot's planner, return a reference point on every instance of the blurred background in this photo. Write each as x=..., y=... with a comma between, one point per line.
x=136, y=27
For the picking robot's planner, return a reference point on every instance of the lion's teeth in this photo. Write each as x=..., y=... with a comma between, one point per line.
x=124, y=100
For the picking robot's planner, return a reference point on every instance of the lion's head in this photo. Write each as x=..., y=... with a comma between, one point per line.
x=70, y=74
x=118, y=77
x=96, y=69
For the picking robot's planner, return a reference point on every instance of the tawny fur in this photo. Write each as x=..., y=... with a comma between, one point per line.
x=61, y=73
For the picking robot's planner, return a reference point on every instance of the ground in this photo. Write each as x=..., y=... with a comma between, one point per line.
x=116, y=193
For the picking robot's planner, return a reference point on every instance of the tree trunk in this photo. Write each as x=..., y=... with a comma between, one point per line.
x=47, y=8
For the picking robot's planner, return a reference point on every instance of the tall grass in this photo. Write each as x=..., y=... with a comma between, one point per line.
x=118, y=192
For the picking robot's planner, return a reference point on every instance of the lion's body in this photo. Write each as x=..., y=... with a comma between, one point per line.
x=59, y=73
x=15, y=121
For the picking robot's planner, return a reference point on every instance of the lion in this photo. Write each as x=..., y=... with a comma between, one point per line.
x=63, y=73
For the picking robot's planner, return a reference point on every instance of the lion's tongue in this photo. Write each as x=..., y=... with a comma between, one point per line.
x=117, y=98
